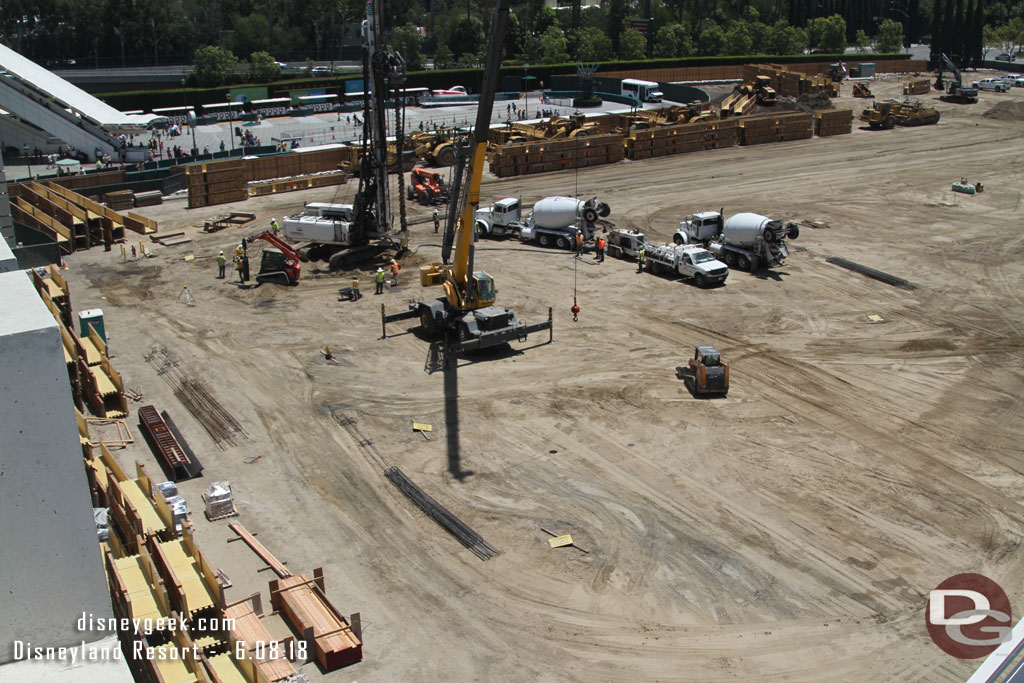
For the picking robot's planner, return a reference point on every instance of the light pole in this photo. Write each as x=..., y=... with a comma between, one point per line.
x=189, y=121
x=526, y=89
x=231, y=125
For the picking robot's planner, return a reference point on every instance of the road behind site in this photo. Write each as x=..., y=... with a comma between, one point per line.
x=790, y=531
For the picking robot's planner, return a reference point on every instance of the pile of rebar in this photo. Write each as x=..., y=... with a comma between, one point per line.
x=440, y=514
x=193, y=394
x=879, y=275
x=437, y=512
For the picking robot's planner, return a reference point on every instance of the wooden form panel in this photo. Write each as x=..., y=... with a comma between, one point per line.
x=303, y=603
x=191, y=581
x=247, y=632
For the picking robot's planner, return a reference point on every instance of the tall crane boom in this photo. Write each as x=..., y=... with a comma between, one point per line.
x=478, y=145
x=466, y=315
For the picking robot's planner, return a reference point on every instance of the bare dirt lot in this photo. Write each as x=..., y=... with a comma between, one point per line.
x=791, y=531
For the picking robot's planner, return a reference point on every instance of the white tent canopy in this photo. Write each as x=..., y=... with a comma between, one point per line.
x=68, y=95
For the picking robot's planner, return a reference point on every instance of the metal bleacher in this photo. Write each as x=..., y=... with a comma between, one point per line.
x=36, y=96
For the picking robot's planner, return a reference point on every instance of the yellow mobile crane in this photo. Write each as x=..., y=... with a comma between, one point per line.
x=466, y=316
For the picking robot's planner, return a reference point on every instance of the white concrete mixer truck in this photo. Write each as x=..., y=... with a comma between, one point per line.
x=747, y=241
x=555, y=221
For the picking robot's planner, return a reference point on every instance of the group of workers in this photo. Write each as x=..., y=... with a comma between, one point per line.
x=379, y=277
x=599, y=247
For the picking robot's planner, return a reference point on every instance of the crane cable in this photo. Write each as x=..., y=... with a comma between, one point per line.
x=575, y=306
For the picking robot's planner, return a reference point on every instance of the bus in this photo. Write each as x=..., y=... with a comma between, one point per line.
x=645, y=91
x=223, y=111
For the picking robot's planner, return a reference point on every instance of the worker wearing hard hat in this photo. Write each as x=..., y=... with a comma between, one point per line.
x=355, y=289
x=394, y=271
x=274, y=226
x=222, y=262
x=380, y=281
x=437, y=220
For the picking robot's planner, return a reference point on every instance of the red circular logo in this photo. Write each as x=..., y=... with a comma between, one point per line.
x=968, y=616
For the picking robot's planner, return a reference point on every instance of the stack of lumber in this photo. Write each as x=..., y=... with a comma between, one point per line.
x=303, y=603
x=298, y=162
x=152, y=198
x=918, y=86
x=119, y=200
x=216, y=182
x=680, y=139
x=789, y=83
x=833, y=122
x=757, y=130
x=303, y=182
x=557, y=155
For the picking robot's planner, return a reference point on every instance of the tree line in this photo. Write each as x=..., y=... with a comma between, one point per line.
x=256, y=33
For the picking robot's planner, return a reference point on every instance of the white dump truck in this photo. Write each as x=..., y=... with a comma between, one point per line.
x=692, y=261
x=553, y=222
x=747, y=241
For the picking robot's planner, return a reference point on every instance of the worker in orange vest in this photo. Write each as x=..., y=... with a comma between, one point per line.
x=394, y=271
x=355, y=288
x=600, y=249
x=579, y=243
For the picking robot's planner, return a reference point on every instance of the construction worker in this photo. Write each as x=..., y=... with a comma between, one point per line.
x=437, y=220
x=641, y=259
x=274, y=226
x=222, y=262
x=380, y=281
x=394, y=271
x=99, y=163
x=239, y=252
x=579, y=243
x=600, y=249
x=355, y=289
x=240, y=265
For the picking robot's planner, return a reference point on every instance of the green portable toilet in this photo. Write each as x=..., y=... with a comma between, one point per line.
x=92, y=317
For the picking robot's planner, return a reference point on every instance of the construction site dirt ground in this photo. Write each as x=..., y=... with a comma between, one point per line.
x=790, y=531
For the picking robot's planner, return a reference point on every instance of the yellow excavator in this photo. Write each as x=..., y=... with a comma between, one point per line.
x=466, y=315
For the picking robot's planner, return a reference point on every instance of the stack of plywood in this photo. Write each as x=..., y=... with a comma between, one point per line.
x=303, y=603
x=757, y=130
x=556, y=155
x=264, y=187
x=152, y=198
x=787, y=82
x=216, y=182
x=681, y=139
x=119, y=200
x=833, y=122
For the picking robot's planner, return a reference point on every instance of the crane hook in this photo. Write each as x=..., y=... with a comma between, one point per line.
x=575, y=310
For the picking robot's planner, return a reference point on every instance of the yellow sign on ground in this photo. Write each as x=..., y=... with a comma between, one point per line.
x=422, y=427
x=875, y=318
x=559, y=541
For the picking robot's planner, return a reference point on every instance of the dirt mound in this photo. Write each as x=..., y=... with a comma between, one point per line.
x=816, y=101
x=1006, y=111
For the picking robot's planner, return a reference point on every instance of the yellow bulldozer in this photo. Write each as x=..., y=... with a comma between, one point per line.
x=906, y=112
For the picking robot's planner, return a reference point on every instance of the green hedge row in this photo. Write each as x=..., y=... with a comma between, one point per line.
x=148, y=100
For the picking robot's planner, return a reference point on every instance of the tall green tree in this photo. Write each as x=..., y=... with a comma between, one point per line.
x=738, y=40
x=554, y=48
x=213, y=65
x=632, y=45
x=466, y=37
x=406, y=41
x=263, y=67
x=890, y=36
x=593, y=46
x=673, y=41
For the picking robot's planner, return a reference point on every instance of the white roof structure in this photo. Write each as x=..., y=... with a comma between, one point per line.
x=70, y=96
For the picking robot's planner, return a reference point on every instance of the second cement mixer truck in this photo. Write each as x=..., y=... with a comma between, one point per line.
x=747, y=241
x=553, y=222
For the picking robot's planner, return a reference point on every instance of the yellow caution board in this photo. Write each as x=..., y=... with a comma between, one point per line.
x=559, y=541
x=422, y=427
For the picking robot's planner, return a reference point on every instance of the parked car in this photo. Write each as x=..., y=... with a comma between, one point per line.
x=1004, y=57
x=1018, y=82
x=996, y=84
x=320, y=70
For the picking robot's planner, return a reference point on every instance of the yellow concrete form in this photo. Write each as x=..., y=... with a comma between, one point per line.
x=184, y=575
x=226, y=669
x=143, y=598
x=133, y=493
x=90, y=352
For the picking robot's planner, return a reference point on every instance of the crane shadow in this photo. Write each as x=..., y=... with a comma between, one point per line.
x=450, y=368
